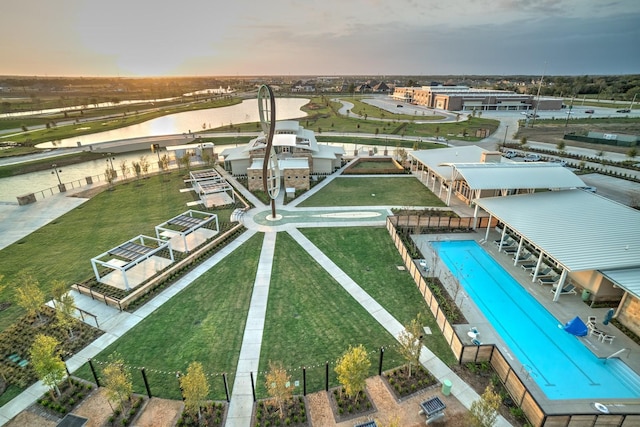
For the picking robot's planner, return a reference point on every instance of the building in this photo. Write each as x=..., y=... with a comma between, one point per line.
x=463, y=98
x=299, y=157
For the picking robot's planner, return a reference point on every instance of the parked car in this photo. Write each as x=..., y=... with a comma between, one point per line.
x=589, y=111
x=510, y=154
x=532, y=158
x=624, y=110
x=561, y=162
x=399, y=106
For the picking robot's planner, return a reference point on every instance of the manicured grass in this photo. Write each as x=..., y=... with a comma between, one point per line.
x=369, y=257
x=311, y=319
x=203, y=323
x=358, y=191
x=62, y=250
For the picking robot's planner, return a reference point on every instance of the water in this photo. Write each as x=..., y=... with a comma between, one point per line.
x=188, y=121
x=558, y=362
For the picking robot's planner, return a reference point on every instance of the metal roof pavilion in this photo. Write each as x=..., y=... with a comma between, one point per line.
x=490, y=176
x=580, y=230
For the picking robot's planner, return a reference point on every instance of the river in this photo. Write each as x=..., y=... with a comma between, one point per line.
x=186, y=122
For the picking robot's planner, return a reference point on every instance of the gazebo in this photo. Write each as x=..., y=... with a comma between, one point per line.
x=188, y=230
x=212, y=188
x=132, y=262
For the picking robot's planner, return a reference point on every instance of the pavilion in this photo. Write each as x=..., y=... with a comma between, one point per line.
x=188, y=230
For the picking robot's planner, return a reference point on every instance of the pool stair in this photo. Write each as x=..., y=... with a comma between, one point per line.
x=623, y=373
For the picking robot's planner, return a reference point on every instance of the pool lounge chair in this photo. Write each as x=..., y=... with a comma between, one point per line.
x=548, y=280
x=522, y=257
x=528, y=266
x=604, y=337
x=566, y=290
x=544, y=272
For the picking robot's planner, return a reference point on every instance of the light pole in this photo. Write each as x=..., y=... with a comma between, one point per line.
x=504, y=141
x=61, y=187
x=110, y=160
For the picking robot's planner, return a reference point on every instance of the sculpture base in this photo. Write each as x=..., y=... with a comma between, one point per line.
x=272, y=218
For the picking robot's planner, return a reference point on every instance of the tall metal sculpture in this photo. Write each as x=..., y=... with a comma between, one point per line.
x=270, y=169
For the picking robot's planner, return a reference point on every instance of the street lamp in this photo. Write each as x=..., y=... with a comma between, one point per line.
x=110, y=160
x=61, y=187
x=504, y=141
x=54, y=166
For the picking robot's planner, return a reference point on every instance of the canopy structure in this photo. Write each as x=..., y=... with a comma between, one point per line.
x=212, y=188
x=132, y=262
x=188, y=230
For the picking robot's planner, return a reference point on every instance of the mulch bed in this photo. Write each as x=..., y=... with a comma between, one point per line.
x=72, y=392
x=403, y=386
x=346, y=407
x=294, y=413
x=213, y=415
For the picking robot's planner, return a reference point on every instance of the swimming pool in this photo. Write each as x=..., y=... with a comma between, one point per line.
x=558, y=362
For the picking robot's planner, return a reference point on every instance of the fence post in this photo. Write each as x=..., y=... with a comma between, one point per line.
x=381, y=357
x=93, y=371
x=326, y=376
x=146, y=383
x=304, y=381
x=226, y=386
x=253, y=387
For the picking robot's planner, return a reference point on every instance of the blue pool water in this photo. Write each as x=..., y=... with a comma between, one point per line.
x=559, y=362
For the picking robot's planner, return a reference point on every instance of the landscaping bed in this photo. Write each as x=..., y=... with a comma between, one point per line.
x=346, y=407
x=294, y=413
x=403, y=386
x=72, y=392
x=213, y=415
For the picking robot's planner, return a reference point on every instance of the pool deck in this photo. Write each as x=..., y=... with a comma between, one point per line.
x=568, y=307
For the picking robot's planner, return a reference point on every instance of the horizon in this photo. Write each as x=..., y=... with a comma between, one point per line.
x=80, y=38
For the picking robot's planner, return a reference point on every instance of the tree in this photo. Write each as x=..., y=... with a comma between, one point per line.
x=144, y=164
x=632, y=152
x=164, y=163
x=28, y=295
x=186, y=161
x=110, y=176
x=278, y=384
x=523, y=141
x=194, y=388
x=65, y=306
x=411, y=342
x=46, y=362
x=117, y=380
x=484, y=411
x=352, y=369
x=124, y=168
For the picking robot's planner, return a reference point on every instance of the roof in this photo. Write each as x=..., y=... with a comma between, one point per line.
x=434, y=159
x=283, y=164
x=516, y=175
x=582, y=231
x=628, y=278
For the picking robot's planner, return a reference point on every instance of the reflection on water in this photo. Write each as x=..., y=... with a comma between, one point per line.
x=187, y=122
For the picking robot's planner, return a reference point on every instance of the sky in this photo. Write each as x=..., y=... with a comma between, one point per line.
x=321, y=38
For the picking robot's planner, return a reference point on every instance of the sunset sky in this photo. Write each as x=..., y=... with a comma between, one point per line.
x=328, y=37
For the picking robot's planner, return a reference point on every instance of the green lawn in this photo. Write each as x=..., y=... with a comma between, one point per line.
x=62, y=250
x=311, y=319
x=204, y=323
x=369, y=257
x=359, y=191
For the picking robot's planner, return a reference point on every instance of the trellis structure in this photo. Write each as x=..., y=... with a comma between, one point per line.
x=188, y=230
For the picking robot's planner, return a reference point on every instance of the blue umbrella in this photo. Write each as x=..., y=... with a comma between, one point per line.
x=608, y=317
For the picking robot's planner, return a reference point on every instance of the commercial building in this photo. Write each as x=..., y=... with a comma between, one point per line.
x=463, y=98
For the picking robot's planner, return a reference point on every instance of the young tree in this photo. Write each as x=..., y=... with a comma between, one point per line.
x=523, y=141
x=47, y=363
x=117, y=380
x=28, y=294
x=124, y=168
x=144, y=164
x=411, y=342
x=164, y=163
x=484, y=411
x=65, y=307
x=278, y=384
x=137, y=169
x=352, y=369
x=194, y=388
x=110, y=176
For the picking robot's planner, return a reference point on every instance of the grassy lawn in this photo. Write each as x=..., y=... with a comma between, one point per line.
x=357, y=191
x=62, y=250
x=203, y=323
x=311, y=319
x=369, y=257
